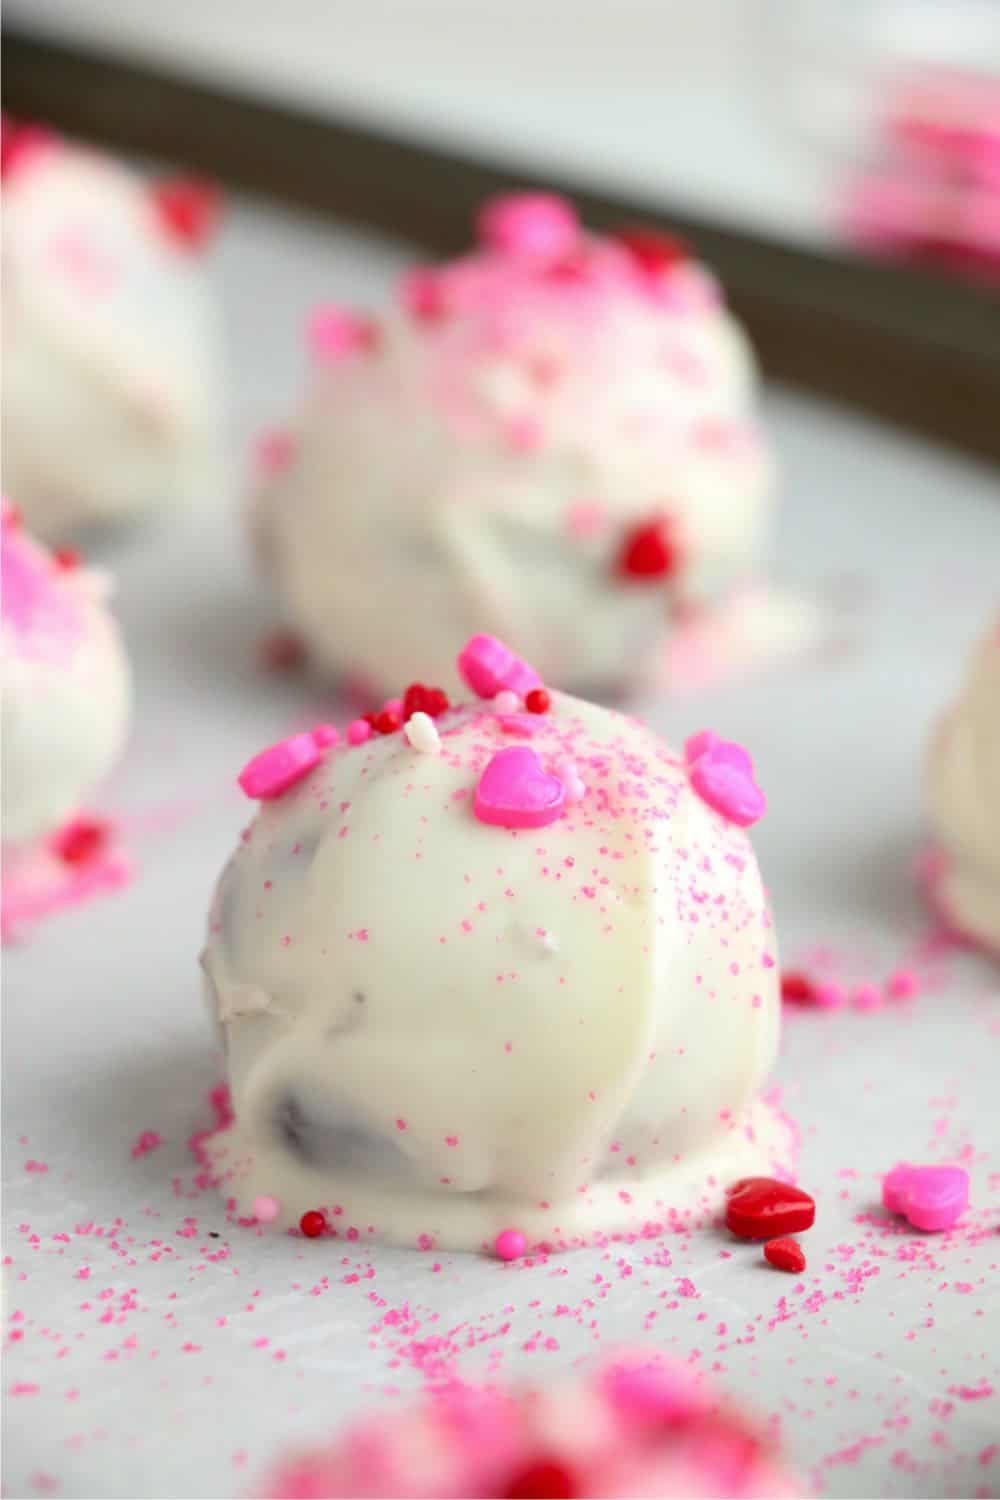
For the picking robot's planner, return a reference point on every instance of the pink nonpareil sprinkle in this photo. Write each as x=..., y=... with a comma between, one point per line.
x=147, y=1142
x=866, y=997
x=523, y=434
x=266, y=1209
x=902, y=984
x=281, y=766
x=829, y=995
x=572, y=781
x=274, y=452
x=358, y=730
x=930, y=1198
x=510, y=1244
x=506, y=702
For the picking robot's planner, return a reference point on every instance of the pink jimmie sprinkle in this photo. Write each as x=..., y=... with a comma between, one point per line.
x=358, y=730
x=722, y=775
x=281, y=766
x=266, y=1209
x=515, y=791
x=931, y=1198
x=529, y=224
x=510, y=1244
x=488, y=666
x=335, y=333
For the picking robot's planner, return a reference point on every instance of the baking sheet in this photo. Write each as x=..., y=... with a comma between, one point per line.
x=153, y=1350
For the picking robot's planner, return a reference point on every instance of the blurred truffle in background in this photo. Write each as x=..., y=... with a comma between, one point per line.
x=111, y=367
x=552, y=438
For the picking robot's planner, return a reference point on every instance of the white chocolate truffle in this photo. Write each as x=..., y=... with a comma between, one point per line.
x=66, y=692
x=964, y=796
x=551, y=439
x=526, y=978
x=109, y=342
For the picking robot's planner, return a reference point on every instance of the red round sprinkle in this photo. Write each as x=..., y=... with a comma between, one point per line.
x=786, y=1254
x=651, y=250
x=542, y=1479
x=537, y=701
x=189, y=210
x=797, y=987
x=12, y=516
x=66, y=558
x=386, y=721
x=284, y=651
x=313, y=1223
x=81, y=840
x=758, y=1208
x=648, y=551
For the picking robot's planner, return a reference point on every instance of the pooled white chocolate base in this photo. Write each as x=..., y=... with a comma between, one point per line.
x=964, y=801
x=689, y=1194
x=436, y=1028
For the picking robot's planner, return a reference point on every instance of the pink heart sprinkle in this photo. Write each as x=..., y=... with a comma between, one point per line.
x=722, y=775
x=280, y=766
x=488, y=666
x=335, y=333
x=931, y=1198
x=515, y=792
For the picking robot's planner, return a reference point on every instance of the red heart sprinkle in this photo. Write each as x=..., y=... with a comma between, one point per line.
x=542, y=1479
x=785, y=1254
x=436, y=702
x=759, y=1208
x=387, y=721
x=652, y=251
x=648, y=551
x=419, y=699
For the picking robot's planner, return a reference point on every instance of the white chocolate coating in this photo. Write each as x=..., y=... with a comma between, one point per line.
x=478, y=470
x=964, y=797
x=109, y=346
x=436, y=1028
x=65, y=689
